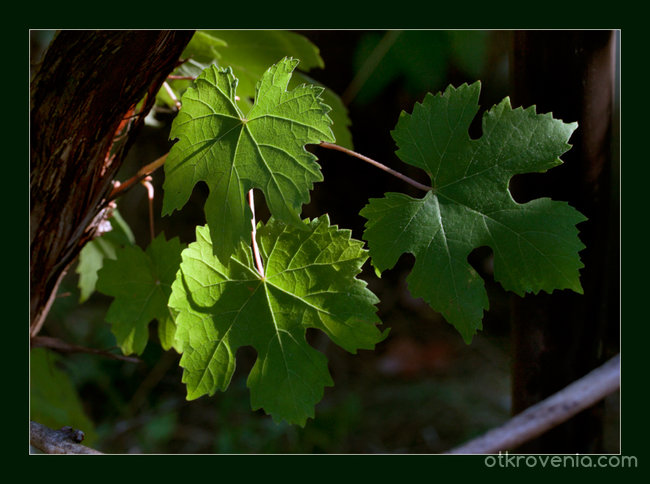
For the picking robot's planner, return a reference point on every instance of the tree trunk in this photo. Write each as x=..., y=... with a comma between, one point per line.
x=90, y=87
x=559, y=337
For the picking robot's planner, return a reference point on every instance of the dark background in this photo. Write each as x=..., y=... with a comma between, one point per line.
x=423, y=390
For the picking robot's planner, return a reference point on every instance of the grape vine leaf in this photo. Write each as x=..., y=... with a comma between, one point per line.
x=140, y=281
x=233, y=152
x=249, y=53
x=339, y=114
x=310, y=282
x=91, y=257
x=535, y=244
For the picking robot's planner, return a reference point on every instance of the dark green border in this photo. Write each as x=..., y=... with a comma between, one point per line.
x=338, y=15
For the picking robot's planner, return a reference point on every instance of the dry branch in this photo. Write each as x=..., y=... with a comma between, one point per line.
x=61, y=346
x=545, y=415
x=63, y=441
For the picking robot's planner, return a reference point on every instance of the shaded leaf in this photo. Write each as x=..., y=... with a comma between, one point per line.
x=417, y=60
x=535, y=244
x=250, y=52
x=53, y=399
x=140, y=281
x=91, y=257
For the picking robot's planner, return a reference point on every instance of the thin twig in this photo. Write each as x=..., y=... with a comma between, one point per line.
x=63, y=441
x=377, y=164
x=65, y=347
x=545, y=415
x=146, y=170
x=256, y=250
x=181, y=78
x=149, y=186
x=36, y=325
x=168, y=88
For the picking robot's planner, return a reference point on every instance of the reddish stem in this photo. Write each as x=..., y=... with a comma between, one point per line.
x=120, y=188
x=377, y=164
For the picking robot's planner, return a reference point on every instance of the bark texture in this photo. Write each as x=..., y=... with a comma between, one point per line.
x=86, y=107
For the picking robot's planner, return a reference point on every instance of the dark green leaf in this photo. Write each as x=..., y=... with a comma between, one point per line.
x=535, y=244
x=94, y=252
x=140, y=281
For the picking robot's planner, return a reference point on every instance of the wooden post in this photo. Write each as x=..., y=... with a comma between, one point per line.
x=559, y=337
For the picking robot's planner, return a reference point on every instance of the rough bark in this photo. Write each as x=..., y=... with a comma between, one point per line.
x=85, y=92
x=559, y=337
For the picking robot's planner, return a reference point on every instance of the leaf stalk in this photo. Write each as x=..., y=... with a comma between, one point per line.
x=142, y=173
x=381, y=166
x=256, y=250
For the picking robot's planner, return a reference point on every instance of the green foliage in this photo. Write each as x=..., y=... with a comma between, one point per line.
x=249, y=53
x=54, y=401
x=233, y=152
x=140, y=281
x=338, y=114
x=243, y=126
x=310, y=282
x=92, y=256
x=535, y=244
x=418, y=59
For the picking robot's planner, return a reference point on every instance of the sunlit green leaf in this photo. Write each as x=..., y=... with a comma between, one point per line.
x=310, y=282
x=233, y=152
x=249, y=53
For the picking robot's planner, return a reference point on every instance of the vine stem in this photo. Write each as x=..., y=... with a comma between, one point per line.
x=65, y=347
x=181, y=78
x=376, y=164
x=169, y=90
x=256, y=250
x=142, y=173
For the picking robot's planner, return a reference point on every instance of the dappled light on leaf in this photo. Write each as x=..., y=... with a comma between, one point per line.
x=310, y=282
x=233, y=152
